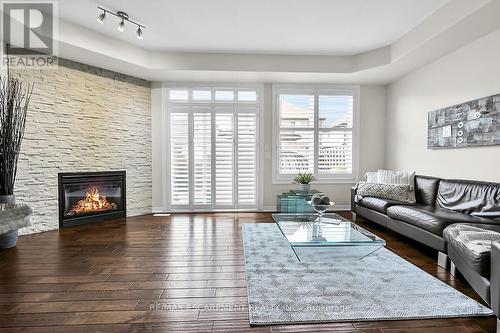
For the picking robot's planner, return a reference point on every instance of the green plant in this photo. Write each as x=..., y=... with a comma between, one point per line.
x=304, y=178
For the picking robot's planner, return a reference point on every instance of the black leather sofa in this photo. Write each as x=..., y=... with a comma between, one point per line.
x=440, y=205
x=481, y=270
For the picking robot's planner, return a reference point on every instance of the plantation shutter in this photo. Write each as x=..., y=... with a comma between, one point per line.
x=202, y=158
x=179, y=165
x=296, y=135
x=335, y=126
x=213, y=148
x=247, y=158
x=224, y=146
x=315, y=133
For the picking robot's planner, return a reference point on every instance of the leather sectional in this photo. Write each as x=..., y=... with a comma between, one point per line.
x=440, y=205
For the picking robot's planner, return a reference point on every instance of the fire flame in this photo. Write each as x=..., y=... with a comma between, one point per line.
x=94, y=201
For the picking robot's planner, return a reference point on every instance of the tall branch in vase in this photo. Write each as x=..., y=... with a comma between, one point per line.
x=14, y=103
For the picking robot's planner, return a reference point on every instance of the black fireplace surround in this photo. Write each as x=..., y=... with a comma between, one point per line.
x=87, y=197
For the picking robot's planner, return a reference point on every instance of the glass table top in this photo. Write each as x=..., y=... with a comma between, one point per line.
x=333, y=230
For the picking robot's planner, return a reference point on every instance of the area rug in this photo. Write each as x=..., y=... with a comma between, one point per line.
x=324, y=288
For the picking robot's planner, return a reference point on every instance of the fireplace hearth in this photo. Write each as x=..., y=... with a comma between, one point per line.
x=87, y=197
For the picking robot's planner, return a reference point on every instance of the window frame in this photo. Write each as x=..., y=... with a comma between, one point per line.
x=169, y=105
x=316, y=90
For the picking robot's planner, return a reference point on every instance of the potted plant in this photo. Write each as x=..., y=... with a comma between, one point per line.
x=14, y=103
x=304, y=180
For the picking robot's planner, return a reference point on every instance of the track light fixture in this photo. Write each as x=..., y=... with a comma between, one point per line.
x=121, y=26
x=101, y=17
x=123, y=18
x=139, y=33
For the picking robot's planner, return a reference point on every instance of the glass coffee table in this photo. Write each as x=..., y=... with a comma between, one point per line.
x=337, y=237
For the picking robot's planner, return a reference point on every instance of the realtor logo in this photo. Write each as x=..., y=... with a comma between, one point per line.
x=28, y=31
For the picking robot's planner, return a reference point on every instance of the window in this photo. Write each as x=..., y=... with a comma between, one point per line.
x=315, y=131
x=178, y=95
x=213, y=151
x=202, y=95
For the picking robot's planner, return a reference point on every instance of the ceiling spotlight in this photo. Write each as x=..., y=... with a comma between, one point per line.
x=121, y=26
x=139, y=33
x=101, y=17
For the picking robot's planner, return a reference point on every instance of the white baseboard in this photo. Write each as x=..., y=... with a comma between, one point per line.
x=156, y=210
x=335, y=208
x=268, y=209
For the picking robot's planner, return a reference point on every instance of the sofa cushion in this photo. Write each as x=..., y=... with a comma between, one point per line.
x=378, y=204
x=476, y=261
x=430, y=218
x=426, y=190
x=470, y=197
x=398, y=192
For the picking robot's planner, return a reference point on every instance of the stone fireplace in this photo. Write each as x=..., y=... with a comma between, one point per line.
x=87, y=197
x=89, y=119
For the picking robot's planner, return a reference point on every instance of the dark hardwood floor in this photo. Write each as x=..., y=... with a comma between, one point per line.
x=183, y=273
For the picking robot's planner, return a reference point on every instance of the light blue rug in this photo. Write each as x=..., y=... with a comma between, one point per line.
x=323, y=288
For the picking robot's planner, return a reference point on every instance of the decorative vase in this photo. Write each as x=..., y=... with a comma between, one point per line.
x=305, y=187
x=8, y=199
x=8, y=239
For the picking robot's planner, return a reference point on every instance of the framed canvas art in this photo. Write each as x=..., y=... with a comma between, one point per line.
x=474, y=123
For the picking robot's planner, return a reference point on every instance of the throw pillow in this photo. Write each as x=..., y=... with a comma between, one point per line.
x=476, y=239
x=371, y=177
x=398, y=192
x=398, y=177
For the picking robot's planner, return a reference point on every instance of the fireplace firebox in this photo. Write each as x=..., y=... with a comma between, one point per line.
x=87, y=197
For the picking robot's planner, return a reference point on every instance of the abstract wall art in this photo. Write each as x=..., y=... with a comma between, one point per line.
x=474, y=123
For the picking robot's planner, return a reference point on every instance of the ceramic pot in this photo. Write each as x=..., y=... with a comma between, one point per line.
x=305, y=187
x=9, y=239
x=8, y=199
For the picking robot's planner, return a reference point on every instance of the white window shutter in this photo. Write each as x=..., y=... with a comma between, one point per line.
x=315, y=132
x=247, y=159
x=213, y=148
x=224, y=146
x=179, y=159
x=335, y=152
x=202, y=158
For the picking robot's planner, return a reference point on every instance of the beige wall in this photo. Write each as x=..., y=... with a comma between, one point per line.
x=371, y=155
x=466, y=74
x=83, y=118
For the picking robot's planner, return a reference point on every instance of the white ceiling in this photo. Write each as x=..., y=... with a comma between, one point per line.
x=323, y=27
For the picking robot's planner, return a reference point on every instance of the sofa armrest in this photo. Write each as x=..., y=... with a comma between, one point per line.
x=354, y=189
x=495, y=277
